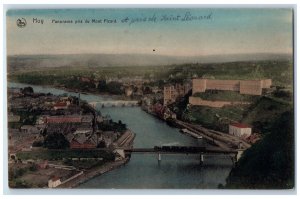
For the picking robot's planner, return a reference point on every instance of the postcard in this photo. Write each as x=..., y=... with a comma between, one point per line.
x=151, y=98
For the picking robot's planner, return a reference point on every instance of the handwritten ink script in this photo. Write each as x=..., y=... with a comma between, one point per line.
x=185, y=17
x=163, y=18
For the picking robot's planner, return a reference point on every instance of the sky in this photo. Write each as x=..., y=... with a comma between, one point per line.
x=176, y=32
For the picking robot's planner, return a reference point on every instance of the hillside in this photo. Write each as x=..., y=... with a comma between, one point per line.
x=28, y=62
x=262, y=114
x=270, y=163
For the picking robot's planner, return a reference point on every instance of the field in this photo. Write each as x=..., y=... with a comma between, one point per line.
x=281, y=72
x=214, y=95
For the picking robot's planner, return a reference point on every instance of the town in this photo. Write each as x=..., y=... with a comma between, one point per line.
x=57, y=140
x=62, y=141
x=136, y=98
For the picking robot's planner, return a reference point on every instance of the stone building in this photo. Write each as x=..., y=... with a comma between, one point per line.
x=54, y=182
x=249, y=87
x=172, y=92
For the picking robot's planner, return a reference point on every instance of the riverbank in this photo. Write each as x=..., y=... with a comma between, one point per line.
x=94, y=172
x=216, y=138
x=100, y=94
x=126, y=140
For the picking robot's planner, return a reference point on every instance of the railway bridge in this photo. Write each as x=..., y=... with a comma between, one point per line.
x=188, y=150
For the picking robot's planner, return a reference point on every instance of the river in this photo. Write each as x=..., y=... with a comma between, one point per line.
x=143, y=170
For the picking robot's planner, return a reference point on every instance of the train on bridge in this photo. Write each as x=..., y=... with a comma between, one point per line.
x=184, y=149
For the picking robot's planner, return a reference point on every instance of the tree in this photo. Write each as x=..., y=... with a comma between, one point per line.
x=37, y=144
x=101, y=144
x=27, y=90
x=102, y=86
x=56, y=141
x=147, y=90
x=115, y=88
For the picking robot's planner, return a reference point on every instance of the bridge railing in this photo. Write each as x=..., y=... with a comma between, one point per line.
x=180, y=149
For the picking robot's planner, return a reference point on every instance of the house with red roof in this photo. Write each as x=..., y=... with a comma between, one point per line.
x=60, y=106
x=54, y=182
x=63, y=119
x=240, y=130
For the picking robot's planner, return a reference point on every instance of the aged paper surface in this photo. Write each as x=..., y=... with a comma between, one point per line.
x=160, y=98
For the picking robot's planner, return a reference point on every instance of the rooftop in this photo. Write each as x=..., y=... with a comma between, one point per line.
x=64, y=119
x=240, y=125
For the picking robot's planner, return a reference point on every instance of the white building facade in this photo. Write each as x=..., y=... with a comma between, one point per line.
x=239, y=130
x=54, y=182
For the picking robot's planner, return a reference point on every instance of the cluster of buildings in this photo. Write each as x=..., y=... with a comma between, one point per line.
x=172, y=92
x=50, y=114
x=157, y=102
x=131, y=86
x=140, y=90
x=200, y=85
x=77, y=129
x=34, y=117
x=137, y=80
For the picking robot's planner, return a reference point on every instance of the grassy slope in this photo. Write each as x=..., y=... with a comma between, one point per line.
x=215, y=118
x=262, y=114
x=225, y=96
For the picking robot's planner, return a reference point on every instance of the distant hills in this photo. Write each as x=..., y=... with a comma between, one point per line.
x=23, y=62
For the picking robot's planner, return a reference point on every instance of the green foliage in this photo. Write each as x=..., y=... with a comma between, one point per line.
x=268, y=164
x=61, y=154
x=216, y=95
x=114, y=88
x=75, y=83
x=262, y=114
x=33, y=167
x=27, y=90
x=215, y=118
x=84, y=164
x=56, y=141
x=281, y=72
x=32, y=78
x=31, y=120
x=37, y=144
x=16, y=173
x=27, y=117
x=283, y=94
x=14, y=125
x=180, y=105
x=101, y=144
x=112, y=126
x=18, y=183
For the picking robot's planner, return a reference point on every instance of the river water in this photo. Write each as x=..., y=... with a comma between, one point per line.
x=143, y=170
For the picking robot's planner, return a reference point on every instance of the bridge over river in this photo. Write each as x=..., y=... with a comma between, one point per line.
x=187, y=150
x=115, y=103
